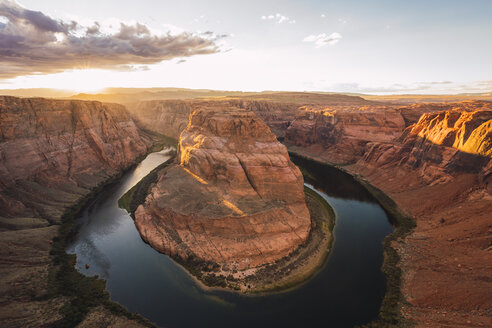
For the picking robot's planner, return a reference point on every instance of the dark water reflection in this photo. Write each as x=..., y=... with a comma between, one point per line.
x=347, y=291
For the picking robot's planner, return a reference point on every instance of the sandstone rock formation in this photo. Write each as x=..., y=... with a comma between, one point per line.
x=233, y=198
x=53, y=153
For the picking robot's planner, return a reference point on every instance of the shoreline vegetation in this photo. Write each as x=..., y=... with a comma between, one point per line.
x=283, y=275
x=389, y=312
x=87, y=293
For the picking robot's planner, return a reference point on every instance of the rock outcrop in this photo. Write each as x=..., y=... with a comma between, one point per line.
x=53, y=152
x=233, y=198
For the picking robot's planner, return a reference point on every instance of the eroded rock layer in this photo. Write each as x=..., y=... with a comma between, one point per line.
x=234, y=198
x=439, y=146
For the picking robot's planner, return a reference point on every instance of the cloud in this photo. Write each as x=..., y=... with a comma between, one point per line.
x=34, y=43
x=322, y=39
x=323, y=16
x=279, y=18
x=485, y=83
x=392, y=88
x=435, y=82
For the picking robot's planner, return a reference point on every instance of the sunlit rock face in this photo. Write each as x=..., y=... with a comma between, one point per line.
x=469, y=132
x=234, y=198
x=440, y=145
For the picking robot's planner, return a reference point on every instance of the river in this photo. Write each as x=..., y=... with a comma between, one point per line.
x=347, y=291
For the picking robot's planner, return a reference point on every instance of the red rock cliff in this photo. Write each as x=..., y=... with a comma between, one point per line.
x=54, y=151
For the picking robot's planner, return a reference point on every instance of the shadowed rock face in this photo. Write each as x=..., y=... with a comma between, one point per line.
x=340, y=134
x=54, y=151
x=235, y=198
x=168, y=117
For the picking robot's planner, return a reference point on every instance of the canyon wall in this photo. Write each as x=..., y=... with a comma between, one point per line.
x=278, y=111
x=439, y=170
x=167, y=117
x=170, y=117
x=53, y=153
x=339, y=134
x=434, y=160
x=234, y=198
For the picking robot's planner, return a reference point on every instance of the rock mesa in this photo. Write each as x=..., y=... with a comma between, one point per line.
x=233, y=197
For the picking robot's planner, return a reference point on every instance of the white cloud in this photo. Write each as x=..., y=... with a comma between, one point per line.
x=322, y=39
x=323, y=16
x=278, y=18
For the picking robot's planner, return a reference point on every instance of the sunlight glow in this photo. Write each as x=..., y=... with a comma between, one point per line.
x=233, y=207
x=77, y=80
x=196, y=177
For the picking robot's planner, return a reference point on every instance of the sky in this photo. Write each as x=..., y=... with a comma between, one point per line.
x=375, y=47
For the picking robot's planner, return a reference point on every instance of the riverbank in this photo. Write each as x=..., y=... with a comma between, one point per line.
x=306, y=261
x=284, y=274
x=389, y=314
x=88, y=295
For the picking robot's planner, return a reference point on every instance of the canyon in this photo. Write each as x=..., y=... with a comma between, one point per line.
x=433, y=159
